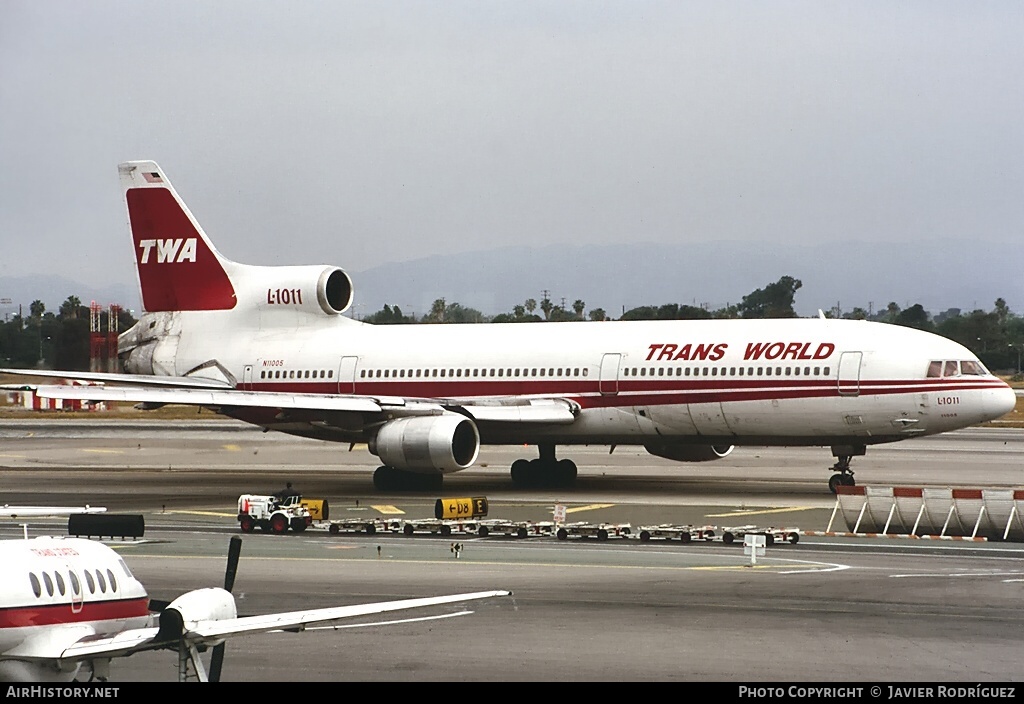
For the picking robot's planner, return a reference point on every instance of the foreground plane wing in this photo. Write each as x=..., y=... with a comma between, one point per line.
x=69, y=606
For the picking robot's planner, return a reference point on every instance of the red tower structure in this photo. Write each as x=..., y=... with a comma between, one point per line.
x=97, y=340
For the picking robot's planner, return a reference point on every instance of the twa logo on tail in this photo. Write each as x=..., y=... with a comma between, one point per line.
x=154, y=210
x=168, y=251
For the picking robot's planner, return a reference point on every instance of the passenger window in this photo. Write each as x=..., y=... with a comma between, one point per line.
x=584, y=372
x=60, y=583
x=687, y=371
x=330, y=374
x=643, y=371
x=458, y=372
x=952, y=369
x=386, y=372
x=48, y=582
x=263, y=374
x=551, y=372
x=741, y=371
x=817, y=371
x=102, y=581
x=542, y=372
x=826, y=370
x=787, y=371
x=37, y=588
x=714, y=371
x=767, y=371
x=362, y=374
x=90, y=582
x=732, y=371
x=796, y=371
x=76, y=586
x=110, y=576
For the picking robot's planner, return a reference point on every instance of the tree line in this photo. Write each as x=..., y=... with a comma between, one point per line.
x=53, y=340
x=61, y=340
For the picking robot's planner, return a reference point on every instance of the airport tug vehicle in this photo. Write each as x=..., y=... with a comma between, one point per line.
x=275, y=514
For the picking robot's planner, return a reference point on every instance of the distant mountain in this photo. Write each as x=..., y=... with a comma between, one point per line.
x=54, y=290
x=960, y=274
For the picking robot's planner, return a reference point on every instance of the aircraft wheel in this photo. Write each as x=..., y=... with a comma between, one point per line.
x=848, y=480
x=834, y=482
x=565, y=472
x=521, y=473
x=247, y=524
x=278, y=524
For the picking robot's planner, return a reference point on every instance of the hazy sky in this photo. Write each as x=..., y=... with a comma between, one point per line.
x=359, y=133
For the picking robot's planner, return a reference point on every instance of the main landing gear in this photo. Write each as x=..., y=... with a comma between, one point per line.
x=544, y=472
x=388, y=478
x=844, y=475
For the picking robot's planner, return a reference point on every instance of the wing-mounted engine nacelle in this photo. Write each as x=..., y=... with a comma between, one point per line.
x=690, y=453
x=444, y=443
x=322, y=290
x=210, y=604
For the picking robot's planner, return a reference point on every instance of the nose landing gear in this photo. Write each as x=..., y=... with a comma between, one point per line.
x=843, y=475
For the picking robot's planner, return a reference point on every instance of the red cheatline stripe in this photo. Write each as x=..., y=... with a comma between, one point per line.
x=51, y=614
x=588, y=395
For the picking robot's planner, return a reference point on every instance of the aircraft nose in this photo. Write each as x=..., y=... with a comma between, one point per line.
x=1000, y=402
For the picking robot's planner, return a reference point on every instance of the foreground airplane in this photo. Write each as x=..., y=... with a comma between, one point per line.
x=269, y=345
x=68, y=606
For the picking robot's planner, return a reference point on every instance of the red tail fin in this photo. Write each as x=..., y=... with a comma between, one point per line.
x=179, y=269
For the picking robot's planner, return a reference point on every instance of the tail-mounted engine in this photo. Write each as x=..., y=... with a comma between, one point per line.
x=689, y=453
x=324, y=290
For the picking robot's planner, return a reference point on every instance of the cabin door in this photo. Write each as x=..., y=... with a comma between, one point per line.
x=608, y=378
x=849, y=373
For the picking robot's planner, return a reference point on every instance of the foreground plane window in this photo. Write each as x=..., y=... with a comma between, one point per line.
x=60, y=583
x=110, y=577
x=48, y=582
x=102, y=581
x=972, y=368
x=934, y=369
x=952, y=369
x=37, y=588
x=90, y=582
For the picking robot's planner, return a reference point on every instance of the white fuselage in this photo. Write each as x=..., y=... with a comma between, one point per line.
x=56, y=591
x=755, y=382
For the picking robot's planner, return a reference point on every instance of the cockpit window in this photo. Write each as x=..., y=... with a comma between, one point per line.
x=968, y=366
x=935, y=369
x=127, y=572
x=951, y=369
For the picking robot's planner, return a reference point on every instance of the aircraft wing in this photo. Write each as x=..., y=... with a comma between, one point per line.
x=212, y=632
x=188, y=382
x=495, y=410
x=8, y=511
